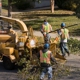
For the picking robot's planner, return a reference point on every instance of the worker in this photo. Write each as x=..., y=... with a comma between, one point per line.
x=45, y=61
x=64, y=36
x=45, y=29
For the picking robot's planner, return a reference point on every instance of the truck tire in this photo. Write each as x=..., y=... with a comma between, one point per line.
x=7, y=63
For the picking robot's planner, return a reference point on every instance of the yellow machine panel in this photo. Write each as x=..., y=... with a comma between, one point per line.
x=8, y=50
x=5, y=37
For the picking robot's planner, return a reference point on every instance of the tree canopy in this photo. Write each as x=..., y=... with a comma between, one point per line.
x=64, y=4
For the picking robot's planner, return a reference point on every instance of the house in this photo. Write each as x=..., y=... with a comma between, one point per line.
x=36, y=4
x=44, y=3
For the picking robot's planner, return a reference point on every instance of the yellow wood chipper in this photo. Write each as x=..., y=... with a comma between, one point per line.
x=13, y=45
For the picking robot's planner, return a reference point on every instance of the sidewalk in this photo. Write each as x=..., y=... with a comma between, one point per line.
x=53, y=35
x=38, y=33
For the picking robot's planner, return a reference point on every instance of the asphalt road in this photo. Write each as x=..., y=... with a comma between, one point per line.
x=7, y=74
x=73, y=61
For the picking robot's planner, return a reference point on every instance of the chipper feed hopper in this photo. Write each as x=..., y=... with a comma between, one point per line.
x=13, y=45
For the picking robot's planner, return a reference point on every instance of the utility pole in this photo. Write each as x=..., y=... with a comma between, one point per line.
x=0, y=7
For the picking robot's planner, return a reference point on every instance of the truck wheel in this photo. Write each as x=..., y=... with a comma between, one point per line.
x=7, y=63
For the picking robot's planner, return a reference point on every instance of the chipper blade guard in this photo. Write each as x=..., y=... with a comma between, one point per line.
x=53, y=48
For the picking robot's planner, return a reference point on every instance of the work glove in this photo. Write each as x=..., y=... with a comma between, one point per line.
x=44, y=34
x=59, y=32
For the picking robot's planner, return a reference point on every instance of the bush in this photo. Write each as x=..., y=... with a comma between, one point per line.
x=59, y=3
x=78, y=10
x=22, y=4
x=4, y=3
x=67, y=4
x=74, y=45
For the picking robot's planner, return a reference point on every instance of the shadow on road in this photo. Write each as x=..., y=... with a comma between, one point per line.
x=2, y=69
x=8, y=74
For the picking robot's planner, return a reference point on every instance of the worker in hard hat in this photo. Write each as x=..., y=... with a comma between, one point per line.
x=64, y=36
x=45, y=61
x=45, y=29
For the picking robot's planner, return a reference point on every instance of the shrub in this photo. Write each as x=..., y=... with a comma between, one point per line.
x=78, y=10
x=22, y=4
x=67, y=4
x=4, y=3
x=74, y=45
x=59, y=3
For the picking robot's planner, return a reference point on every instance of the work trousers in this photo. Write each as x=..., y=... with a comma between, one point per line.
x=64, y=48
x=46, y=70
x=47, y=38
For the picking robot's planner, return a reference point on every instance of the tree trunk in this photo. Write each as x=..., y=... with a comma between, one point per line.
x=0, y=7
x=9, y=8
x=52, y=6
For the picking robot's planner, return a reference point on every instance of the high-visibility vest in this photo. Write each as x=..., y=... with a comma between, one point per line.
x=47, y=28
x=45, y=57
x=65, y=33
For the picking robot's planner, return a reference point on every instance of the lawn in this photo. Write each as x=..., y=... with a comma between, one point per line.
x=35, y=19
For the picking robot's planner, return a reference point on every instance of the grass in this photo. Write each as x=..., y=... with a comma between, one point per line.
x=35, y=19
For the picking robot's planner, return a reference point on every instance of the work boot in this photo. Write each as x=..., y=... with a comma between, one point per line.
x=63, y=55
x=49, y=79
x=68, y=54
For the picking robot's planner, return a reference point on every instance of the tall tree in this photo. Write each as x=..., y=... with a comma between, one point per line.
x=52, y=6
x=0, y=6
x=9, y=8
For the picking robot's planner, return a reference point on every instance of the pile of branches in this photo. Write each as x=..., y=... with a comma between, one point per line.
x=32, y=72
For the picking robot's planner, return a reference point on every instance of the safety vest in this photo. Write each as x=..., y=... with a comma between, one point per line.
x=45, y=57
x=64, y=33
x=46, y=28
